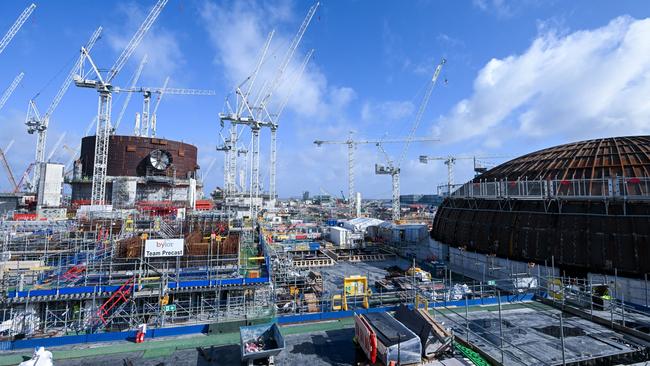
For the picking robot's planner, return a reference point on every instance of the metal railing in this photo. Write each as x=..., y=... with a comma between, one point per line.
x=606, y=188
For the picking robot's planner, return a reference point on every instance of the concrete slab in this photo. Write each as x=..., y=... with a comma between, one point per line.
x=333, y=276
x=531, y=336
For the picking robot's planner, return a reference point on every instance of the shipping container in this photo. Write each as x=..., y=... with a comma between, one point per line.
x=340, y=236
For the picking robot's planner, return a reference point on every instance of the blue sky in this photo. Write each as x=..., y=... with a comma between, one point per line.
x=520, y=75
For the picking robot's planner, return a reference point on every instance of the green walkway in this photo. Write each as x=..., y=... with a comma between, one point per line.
x=165, y=346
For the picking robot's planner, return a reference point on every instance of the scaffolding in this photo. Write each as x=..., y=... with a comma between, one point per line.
x=91, y=275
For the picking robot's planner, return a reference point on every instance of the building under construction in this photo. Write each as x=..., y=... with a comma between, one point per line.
x=110, y=273
x=584, y=205
x=140, y=169
x=136, y=246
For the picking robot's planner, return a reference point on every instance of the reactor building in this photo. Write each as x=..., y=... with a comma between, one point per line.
x=584, y=206
x=140, y=169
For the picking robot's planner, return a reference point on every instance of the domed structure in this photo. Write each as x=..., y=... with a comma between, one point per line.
x=607, y=157
x=584, y=204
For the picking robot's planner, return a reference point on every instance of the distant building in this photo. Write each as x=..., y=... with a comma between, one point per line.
x=305, y=196
x=420, y=199
x=323, y=199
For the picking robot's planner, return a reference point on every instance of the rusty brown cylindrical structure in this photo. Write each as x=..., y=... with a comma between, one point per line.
x=600, y=232
x=129, y=156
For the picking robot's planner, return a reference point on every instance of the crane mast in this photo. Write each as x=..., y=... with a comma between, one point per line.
x=147, y=117
x=256, y=116
x=287, y=58
x=105, y=89
x=39, y=124
x=155, y=108
x=7, y=93
x=5, y=163
x=352, y=145
x=16, y=27
x=450, y=162
x=134, y=81
x=394, y=168
x=274, y=127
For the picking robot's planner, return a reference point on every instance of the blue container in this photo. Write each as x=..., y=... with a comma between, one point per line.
x=331, y=222
x=314, y=246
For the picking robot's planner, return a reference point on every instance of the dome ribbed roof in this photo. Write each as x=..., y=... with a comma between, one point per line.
x=606, y=157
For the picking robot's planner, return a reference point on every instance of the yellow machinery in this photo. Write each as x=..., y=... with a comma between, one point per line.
x=421, y=300
x=128, y=225
x=419, y=274
x=336, y=303
x=556, y=289
x=355, y=286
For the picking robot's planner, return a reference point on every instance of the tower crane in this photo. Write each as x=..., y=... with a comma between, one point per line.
x=15, y=186
x=207, y=171
x=450, y=161
x=134, y=81
x=148, y=125
x=5, y=163
x=256, y=115
x=155, y=108
x=24, y=179
x=393, y=168
x=7, y=93
x=16, y=26
x=56, y=146
x=105, y=88
x=352, y=145
x=73, y=155
x=39, y=124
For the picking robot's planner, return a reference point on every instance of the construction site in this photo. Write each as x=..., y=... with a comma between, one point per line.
x=120, y=256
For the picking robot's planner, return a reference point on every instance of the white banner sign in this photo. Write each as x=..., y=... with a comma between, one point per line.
x=164, y=247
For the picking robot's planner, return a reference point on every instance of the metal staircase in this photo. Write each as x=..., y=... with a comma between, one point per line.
x=115, y=303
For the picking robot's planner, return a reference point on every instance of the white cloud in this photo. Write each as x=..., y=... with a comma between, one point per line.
x=500, y=7
x=161, y=46
x=583, y=84
x=238, y=31
x=392, y=110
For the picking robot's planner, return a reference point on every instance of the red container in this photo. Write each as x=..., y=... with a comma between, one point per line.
x=24, y=216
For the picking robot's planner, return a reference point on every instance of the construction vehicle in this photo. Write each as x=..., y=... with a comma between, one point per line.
x=419, y=274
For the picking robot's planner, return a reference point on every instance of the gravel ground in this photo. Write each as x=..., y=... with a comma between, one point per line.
x=333, y=276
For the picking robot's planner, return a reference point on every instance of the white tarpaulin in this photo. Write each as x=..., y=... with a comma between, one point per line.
x=163, y=247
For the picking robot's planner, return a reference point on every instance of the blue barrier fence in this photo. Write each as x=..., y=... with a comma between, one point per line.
x=100, y=289
x=203, y=328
